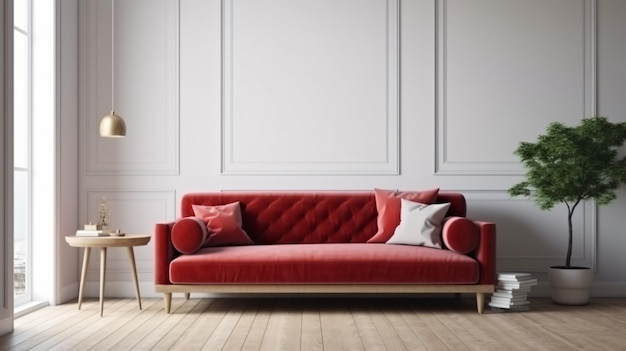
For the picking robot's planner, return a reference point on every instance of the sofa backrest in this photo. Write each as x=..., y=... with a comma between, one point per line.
x=307, y=217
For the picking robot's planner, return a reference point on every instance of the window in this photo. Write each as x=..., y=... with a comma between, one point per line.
x=21, y=139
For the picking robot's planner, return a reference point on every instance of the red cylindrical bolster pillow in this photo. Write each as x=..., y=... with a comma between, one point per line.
x=189, y=234
x=460, y=234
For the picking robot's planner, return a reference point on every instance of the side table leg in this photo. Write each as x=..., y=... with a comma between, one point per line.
x=131, y=256
x=103, y=268
x=83, y=275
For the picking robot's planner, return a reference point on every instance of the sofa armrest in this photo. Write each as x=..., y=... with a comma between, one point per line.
x=164, y=252
x=485, y=253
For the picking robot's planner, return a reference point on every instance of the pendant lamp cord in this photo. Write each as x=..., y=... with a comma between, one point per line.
x=112, y=55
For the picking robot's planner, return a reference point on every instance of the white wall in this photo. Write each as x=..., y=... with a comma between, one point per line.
x=325, y=95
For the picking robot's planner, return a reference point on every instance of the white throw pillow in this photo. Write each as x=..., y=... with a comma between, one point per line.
x=420, y=224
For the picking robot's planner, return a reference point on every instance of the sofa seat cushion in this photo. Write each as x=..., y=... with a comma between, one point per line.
x=342, y=263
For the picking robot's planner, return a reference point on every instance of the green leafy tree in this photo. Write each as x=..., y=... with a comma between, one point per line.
x=572, y=164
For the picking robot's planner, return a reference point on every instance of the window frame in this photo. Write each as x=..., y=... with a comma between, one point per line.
x=19, y=300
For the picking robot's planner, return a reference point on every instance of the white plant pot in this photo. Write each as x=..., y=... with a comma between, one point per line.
x=570, y=286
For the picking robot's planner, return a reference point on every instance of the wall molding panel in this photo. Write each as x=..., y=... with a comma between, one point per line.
x=530, y=239
x=504, y=71
x=147, y=208
x=310, y=87
x=150, y=206
x=146, y=85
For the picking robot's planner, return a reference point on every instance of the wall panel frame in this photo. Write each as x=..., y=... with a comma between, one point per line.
x=310, y=87
x=509, y=68
x=151, y=146
x=148, y=206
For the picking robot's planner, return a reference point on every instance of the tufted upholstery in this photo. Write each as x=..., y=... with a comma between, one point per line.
x=306, y=218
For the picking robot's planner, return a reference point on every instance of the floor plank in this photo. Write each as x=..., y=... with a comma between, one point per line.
x=311, y=327
x=242, y=328
x=90, y=327
x=284, y=327
x=388, y=332
x=339, y=331
x=447, y=337
x=325, y=323
x=254, y=339
x=223, y=328
x=170, y=339
x=181, y=310
x=370, y=337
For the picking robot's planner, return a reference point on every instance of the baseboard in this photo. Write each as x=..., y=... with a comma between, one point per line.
x=608, y=289
x=119, y=289
x=67, y=293
x=125, y=289
x=598, y=289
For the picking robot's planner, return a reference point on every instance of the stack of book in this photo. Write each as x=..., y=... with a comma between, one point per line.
x=86, y=232
x=512, y=291
x=92, y=230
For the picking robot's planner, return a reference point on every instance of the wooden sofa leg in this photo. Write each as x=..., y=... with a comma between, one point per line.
x=480, y=302
x=187, y=296
x=167, y=299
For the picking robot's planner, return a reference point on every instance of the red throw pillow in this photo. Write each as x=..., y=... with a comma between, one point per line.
x=224, y=224
x=460, y=234
x=388, y=207
x=189, y=234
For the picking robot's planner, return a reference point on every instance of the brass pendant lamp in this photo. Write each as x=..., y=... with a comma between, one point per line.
x=112, y=125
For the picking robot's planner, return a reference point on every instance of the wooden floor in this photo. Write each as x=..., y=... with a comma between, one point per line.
x=320, y=324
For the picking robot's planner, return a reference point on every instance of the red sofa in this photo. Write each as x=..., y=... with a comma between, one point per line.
x=317, y=242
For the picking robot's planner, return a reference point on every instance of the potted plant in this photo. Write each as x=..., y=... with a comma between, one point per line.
x=570, y=165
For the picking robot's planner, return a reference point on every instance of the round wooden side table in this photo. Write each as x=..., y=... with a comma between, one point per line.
x=104, y=242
